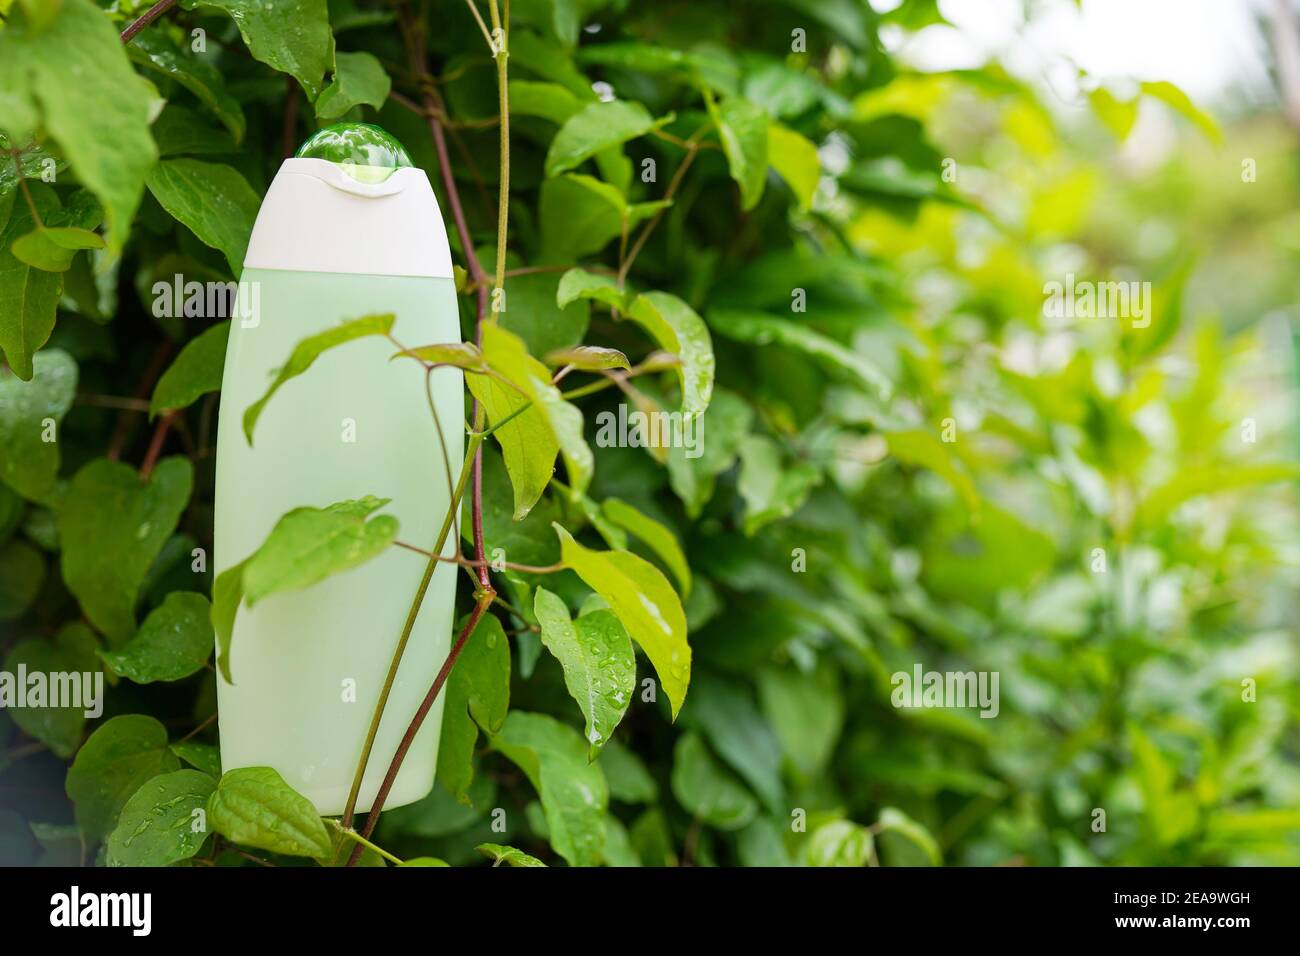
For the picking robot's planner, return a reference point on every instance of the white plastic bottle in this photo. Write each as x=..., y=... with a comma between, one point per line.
x=348, y=228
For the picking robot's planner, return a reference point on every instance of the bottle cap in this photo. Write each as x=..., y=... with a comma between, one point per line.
x=351, y=201
x=367, y=153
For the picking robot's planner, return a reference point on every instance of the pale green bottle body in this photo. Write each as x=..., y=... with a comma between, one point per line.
x=308, y=665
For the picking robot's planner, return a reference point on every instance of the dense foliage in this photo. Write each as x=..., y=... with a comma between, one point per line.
x=750, y=212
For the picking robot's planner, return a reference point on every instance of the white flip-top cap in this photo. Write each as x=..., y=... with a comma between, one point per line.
x=320, y=217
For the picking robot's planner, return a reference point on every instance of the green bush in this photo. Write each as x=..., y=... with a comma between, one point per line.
x=911, y=461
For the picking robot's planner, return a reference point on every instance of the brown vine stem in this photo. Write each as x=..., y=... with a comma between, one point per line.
x=471, y=563
x=146, y=18
x=481, y=605
x=156, y=444
x=122, y=429
x=412, y=34
x=475, y=440
x=289, y=134
x=413, y=37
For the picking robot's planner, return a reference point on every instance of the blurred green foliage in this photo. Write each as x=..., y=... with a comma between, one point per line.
x=907, y=460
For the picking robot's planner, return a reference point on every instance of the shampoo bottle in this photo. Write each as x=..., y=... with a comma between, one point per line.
x=348, y=228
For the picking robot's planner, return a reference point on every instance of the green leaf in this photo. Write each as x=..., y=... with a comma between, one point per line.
x=595, y=127
x=22, y=571
x=196, y=372
x=657, y=537
x=548, y=100
x=227, y=594
x=28, y=296
x=112, y=526
x=1167, y=313
x=33, y=160
x=464, y=355
x=613, y=535
x=645, y=602
x=675, y=326
x=757, y=328
x=213, y=200
x=63, y=233
x=440, y=813
x=629, y=780
x=253, y=806
x=795, y=160
x=599, y=664
x=1171, y=813
x=528, y=541
x=742, y=127
x=581, y=284
x=1256, y=824
x=508, y=855
x=28, y=463
x=310, y=544
x=761, y=844
x=807, y=712
x=163, y=822
x=75, y=81
x=477, y=696
x=1194, y=482
x=528, y=443
x=174, y=642
x=771, y=488
x=725, y=713
x=157, y=50
x=972, y=558
x=893, y=820
x=920, y=447
x=308, y=350
x=294, y=38
x=726, y=423
x=425, y=861
x=580, y=215
x=52, y=247
x=706, y=789
x=838, y=843
x=358, y=78
x=550, y=61
x=641, y=57
x=178, y=130
x=784, y=92
x=205, y=757
x=115, y=761
x=1117, y=115
x=589, y=358
x=1181, y=103
x=72, y=652
x=533, y=313
x=573, y=793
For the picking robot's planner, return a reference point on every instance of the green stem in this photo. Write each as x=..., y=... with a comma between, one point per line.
x=587, y=389
x=505, y=421
x=471, y=450
x=482, y=600
x=501, y=54
x=362, y=841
